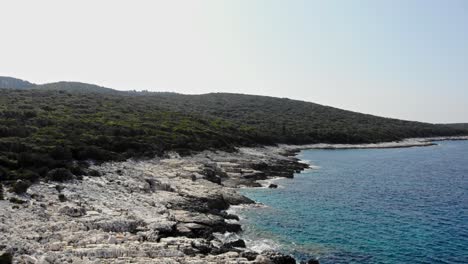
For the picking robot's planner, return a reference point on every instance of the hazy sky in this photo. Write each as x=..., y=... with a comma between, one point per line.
x=405, y=59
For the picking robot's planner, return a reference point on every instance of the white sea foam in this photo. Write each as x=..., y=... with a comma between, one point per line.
x=311, y=168
x=266, y=183
x=235, y=209
x=308, y=162
x=226, y=237
x=261, y=245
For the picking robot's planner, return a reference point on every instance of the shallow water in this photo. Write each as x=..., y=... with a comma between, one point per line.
x=406, y=205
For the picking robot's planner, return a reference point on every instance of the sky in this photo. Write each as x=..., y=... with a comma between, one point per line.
x=405, y=59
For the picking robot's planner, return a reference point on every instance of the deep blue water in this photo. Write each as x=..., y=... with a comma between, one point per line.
x=407, y=205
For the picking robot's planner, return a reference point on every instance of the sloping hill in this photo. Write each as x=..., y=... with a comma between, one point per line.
x=75, y=87
x=43, y=130
x=13, y=83
x=48, y=127
x=278, y=120
x=292, y=121
x=458, y=126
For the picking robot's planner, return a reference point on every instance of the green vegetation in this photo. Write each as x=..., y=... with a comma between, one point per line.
x=20, y=186
x=47, y=134
x=458, y=126
x=17, y=201
x=59, y=175
x=6, y=258
x=62, y=197
x=51, y=131
x=291, y=121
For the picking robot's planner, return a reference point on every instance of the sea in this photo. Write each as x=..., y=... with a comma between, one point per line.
x=401, y=205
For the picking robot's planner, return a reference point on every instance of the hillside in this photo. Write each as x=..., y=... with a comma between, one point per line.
x=46, y=129
x=458, y=126
x=291, y=121
x=13, y=83
x=75, y=87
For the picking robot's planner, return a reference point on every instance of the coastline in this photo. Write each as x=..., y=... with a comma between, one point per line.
x=163, y=210
x=410, y=142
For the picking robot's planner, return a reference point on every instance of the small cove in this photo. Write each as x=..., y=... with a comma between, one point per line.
x=407, y=205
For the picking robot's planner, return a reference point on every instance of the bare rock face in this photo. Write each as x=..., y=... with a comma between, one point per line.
x=234, y=198
x=170, y=210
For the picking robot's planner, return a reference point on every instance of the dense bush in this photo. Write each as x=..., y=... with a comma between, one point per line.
x=3, y=174
x=45, y=130
x=60, y=175
x=94, y=173
x=6, y=258
x=28, y=175
x=298, y=122
x=20, y=186
x=16, y=200
x=1, y=191
x=62, y=197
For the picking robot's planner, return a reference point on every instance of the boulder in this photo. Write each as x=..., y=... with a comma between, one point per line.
x=201, y=245
x=213, y=173
x=239, y=243
x=260, y=259
x=279, y=258
x=249, y=255
x=72, y=211
x=257, y=175
x=233, y=198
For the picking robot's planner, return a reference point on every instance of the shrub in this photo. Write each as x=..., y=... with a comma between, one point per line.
x=3, y=174
x=61, y=153
x=95, y=153
x=26, y=159
x=60, y=175
x=62, y=197
x=16, y=200
x=6, y=258
x=77, y=170
x=1, y=192
x=42, y=171
x=94, y=173
x=6, y=162
x=20, y=186
x=28, y=175
x=59, y=188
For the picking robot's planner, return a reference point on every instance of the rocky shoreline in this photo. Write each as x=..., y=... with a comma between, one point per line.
x=163, y=210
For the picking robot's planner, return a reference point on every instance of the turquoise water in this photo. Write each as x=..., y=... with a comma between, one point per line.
x=407, y=205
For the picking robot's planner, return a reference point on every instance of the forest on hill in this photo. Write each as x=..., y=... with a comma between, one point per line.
x=284, y=120
x=49, y=131
x=459, y=126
